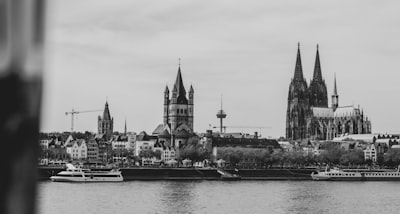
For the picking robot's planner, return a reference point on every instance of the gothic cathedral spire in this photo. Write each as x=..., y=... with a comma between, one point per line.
x=298, y=71
x=317, y=68
x=317, y=91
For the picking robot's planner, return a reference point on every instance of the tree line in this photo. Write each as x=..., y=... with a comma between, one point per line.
x=332, y=155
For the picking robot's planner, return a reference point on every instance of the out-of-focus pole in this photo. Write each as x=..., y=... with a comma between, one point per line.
x=22, y=28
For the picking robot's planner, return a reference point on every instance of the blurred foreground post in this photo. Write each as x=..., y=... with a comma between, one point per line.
x=21, y=63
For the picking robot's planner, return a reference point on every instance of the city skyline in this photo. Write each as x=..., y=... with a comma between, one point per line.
x=244, y=51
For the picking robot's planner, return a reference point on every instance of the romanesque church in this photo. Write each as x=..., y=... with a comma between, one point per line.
x=177, y=125
x=309, y=115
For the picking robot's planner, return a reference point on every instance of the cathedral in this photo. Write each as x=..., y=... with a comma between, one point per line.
x=309, y=115
x=105, y=124
x=177, y=125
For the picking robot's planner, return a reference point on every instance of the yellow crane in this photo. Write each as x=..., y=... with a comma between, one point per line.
x=73, y=112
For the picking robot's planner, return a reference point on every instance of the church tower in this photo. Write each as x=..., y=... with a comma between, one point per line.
x=298, y=104
x=179, y=110
x=318, y=94
x=105, y=123
x=166, y=103
x=335, y=97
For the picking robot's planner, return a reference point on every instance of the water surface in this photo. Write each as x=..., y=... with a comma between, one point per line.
x=219, y=197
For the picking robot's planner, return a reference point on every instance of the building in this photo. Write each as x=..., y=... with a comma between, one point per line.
x=44, y=143
x=214, y=142
x=370, y=152
x=178, y=117
x=144, y=142
x=121, y=142
x=77, y=149
x=105, y=148
x=168, y=154
x=92, y=151
x=105, y=124
x=308, y=115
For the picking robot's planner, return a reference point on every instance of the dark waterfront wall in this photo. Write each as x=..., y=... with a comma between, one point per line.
x=195, y=173
x=274, y=174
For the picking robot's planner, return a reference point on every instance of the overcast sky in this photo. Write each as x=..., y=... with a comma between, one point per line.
x=127, y=51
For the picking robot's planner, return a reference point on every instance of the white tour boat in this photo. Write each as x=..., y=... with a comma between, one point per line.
x=336, y=174
x=73, y=174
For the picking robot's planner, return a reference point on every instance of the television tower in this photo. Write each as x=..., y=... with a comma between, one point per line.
x=221, y=115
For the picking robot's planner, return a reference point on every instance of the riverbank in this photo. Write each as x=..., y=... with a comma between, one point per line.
x=145, y=173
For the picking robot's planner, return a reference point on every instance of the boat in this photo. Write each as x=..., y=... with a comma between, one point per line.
x=226, y=176
x=74, y=174
x=230, y=177
x=337, y=174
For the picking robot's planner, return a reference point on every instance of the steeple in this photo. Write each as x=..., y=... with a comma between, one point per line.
x=335, y=97
x=334, y=87
x=298, y=71
x=179, y=83
x=317, y=68
x=180, y=89
x=105, y=125
x=125, y=128
x=106, y=113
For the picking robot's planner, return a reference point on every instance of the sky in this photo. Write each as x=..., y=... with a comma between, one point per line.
x=126, y=52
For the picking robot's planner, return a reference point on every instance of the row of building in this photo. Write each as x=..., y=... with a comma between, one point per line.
x=372, y=145
x=99, y=149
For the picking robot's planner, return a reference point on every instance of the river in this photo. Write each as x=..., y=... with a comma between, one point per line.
x=218, y=197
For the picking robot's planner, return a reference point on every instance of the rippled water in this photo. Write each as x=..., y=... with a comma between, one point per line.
x=219, y=197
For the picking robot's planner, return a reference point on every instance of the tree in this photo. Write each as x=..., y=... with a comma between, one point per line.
x=194, y=151
x=392, y=157
x=332, y=154
x=147, y=154
x=157, y=154
x=352, y=157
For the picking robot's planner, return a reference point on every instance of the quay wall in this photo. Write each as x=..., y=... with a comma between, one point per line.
x=145, y=173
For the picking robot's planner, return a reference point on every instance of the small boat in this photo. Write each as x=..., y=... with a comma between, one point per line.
x=73, y=174
x=226, y=176
x=337, y=174
x=230, y=177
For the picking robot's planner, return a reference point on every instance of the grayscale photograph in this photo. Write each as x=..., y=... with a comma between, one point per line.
x=177, y=106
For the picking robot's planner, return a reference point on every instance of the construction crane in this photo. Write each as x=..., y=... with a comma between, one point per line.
x=73, y=112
